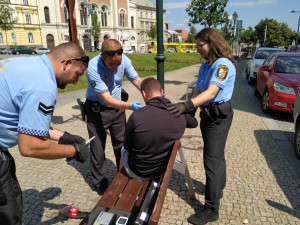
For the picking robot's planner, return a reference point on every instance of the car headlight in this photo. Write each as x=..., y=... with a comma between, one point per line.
x=284, y=89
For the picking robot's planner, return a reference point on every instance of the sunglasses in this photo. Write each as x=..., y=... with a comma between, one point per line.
x=201, y=45
x=112, y=53
x=84, y=59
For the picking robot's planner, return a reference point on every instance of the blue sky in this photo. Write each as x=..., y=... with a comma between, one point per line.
x=249, y=11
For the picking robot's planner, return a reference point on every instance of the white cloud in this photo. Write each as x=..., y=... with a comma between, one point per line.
x=168, y=12
x=175, y=5
x=253, y=3
x=180, y=25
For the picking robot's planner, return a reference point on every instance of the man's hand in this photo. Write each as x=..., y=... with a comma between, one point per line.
x=179, y=108
x=69, y=139
x=135, y=105
x=81, y=154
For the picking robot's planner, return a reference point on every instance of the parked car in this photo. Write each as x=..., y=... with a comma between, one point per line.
x=43, y=50
x=7, y=51
x=129, y=51
x=278, y=82
x=257, y=60
x=23, y=50
x=296, y=114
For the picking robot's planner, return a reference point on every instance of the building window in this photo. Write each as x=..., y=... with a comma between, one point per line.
x=147, y=25
x=66, y=14
x=142, y=36
x=151, y=15
x=146, y=16
x=13, y=37
x=25, y=2
x=132, y=22
x=8, y=1
x=11, y=17
x=122, y=18
x=28, y=18
x=105, y=37
x=1, y=38
x=104, y=16
x=141, y=14
x=30, y=38
x=46, y=12
x=83, y=14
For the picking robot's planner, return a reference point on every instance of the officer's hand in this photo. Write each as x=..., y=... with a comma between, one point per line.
x=68, y=138
x=179, y=108
x=81, y=154
x=135, y=105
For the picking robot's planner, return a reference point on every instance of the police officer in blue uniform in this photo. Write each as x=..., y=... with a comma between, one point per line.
x=28, y=95
x=105, y=108
x=213, y=92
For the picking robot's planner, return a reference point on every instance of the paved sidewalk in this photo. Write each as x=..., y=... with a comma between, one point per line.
x=262, y=187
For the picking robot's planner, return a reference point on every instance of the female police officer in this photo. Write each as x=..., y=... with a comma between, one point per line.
x=213, y=93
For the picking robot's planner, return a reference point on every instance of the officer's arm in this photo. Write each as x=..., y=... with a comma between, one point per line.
x=196, y=93
x=206, y=95
x=113, y=102
x=137, y=83
x=55, y=134
x=41, y=148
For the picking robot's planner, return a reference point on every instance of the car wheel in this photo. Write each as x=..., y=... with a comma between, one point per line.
x=33, y=53
x=265, y=102
x=18, y=53
x=297, y=140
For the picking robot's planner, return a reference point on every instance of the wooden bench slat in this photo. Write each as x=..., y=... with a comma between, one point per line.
x=141, y=196
x=113, y=191
x=163, y=189
x=129, y=195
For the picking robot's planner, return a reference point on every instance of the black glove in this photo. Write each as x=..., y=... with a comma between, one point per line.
x=69, y=139
x=81, y=154
x=179, y=108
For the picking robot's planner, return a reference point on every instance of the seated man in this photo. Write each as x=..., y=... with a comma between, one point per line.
x=150, y=134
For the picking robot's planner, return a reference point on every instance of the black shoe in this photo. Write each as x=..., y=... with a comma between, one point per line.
x=208, y=214
x=103, y=186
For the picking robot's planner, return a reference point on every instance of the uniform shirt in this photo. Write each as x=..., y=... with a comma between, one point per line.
x=101, y=79
x=28, y=96
x=150, y=134
x=222, y=74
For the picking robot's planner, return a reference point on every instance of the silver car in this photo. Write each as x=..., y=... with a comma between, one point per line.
x=296, y=114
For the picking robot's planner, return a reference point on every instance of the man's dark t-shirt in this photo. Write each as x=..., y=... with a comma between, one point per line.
x=149, y=137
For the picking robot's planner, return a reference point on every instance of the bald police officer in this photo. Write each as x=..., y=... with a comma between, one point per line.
x=105, y=109
x=28, y=95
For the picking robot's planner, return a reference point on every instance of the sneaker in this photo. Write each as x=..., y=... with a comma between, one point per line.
x=208, y=214
x=103, y=186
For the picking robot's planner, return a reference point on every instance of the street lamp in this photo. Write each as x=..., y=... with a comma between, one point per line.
x=293, y=11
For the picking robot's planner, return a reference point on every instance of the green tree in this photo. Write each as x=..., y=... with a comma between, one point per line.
x=95, y=29
x=248, y=36
x=152, y=32
x=191, y=35
x=5, y=23
x=209, y=13
x=277, y=34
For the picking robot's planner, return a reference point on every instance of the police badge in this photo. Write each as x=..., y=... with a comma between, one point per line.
x=222, y=72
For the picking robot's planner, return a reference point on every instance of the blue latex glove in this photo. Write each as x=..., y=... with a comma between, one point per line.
x=135, y=105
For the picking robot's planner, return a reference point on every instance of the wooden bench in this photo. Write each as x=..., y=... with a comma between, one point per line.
x=192, y=87
x=127, y=197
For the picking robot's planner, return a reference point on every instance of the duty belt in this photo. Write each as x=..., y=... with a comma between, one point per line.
x=91, y=106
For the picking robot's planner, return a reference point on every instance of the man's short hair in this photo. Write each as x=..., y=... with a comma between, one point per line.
x=150, y=85
x=109, y=42
x=67, y=50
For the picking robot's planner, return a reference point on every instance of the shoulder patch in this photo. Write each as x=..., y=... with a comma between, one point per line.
x=45, y=109
x=222, y=72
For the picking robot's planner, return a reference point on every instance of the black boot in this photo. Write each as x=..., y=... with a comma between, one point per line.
x=207, y=214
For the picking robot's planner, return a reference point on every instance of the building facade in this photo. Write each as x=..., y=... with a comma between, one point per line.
x=125, y=20
x=27, y=30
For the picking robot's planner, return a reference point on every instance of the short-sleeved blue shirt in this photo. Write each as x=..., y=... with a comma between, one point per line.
x=222, y=73
x=28, y=96
x=101, y=79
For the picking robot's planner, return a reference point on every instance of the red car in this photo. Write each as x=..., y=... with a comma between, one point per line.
x=278, y=82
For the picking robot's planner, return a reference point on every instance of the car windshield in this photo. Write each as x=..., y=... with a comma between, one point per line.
x=263, y=54
x=288, y=64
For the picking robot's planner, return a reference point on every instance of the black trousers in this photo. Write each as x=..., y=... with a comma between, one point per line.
x=214, y=135
x=11, y=204
x=97, y=123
